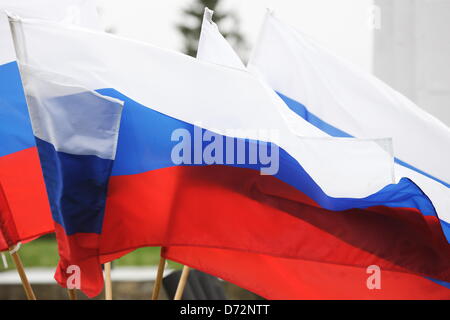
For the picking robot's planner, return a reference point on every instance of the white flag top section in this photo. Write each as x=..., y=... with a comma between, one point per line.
x=216, y=98
x=72, y=119
x=348, y=99
x=213, y=47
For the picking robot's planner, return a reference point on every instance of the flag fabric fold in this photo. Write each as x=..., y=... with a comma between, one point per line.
x=213, y=48
x=181, y=177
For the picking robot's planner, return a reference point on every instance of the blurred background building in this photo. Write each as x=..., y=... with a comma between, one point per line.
x=412, y=51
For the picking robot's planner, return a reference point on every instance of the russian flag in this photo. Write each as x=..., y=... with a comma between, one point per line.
x=20, y=172
x=206, y=161
x=76, y=132
x=215, y=49
x=343, y=101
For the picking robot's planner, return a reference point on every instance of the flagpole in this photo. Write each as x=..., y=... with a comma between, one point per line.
x=5, y=262
x=182, y=283
x=21, y=271
x=159, y=276
x=72, y=294
x=108, y=282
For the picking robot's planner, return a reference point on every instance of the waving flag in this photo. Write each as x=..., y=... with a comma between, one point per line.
x=20, y=172
x=76, y=133
x=212, y=47
x=343, y=101
x=205, y=160
x=289, y=278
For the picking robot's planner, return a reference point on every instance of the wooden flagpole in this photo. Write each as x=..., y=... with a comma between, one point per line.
x=108, y=282
x=72, y=294
x=159, y=276
x=21, y=271
x=5, y=262
x=182, y=283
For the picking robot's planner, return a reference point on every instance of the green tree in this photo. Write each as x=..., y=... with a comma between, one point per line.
x=192, y=24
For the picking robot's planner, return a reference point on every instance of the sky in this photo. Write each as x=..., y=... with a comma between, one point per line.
x=342, y=26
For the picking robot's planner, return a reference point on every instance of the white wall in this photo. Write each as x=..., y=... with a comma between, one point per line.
x=412, y=51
